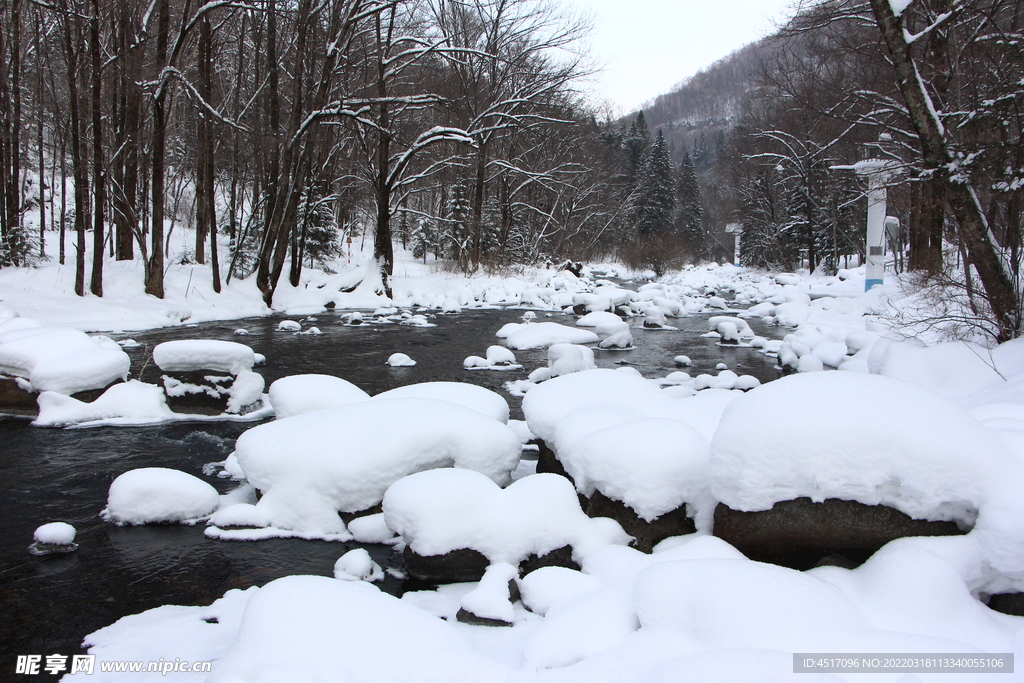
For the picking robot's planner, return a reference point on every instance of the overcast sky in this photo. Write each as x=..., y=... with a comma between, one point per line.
x=648, y=46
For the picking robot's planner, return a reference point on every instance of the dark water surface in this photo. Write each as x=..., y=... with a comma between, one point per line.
x=48, y=604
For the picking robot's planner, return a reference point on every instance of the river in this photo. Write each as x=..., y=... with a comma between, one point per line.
x=50, y=603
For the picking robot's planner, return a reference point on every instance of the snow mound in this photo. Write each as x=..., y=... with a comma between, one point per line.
x=356, y=565
x=467, y=395
x=540, y=335
x=652, y=465
x=55, y=533
x=155, y=495
x=564, y=359
x=846, y=435
x=132, y=400
x=597, y=318
x=311, y=466
x=187, y=355
x=288, y=326
x=59, y=359
x=548, y=403
x=546, y=587
x=438, y=511
x=290, y=624
x=400, y=360
x=299, y=394
x=490, y=599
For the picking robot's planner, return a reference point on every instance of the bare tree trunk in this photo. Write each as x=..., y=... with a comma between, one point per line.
x=155, y=272
x=39, y=122
x=99, y=184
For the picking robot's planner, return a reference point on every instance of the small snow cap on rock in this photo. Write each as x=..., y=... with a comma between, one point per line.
x=356, y=565
x=55, y=537
x=288, y=326
x=155, y=495
x=400, y=360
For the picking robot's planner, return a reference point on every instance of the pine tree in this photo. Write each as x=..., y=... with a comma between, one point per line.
x=655, y=192
x=636, y=141
x=457, y=233
x=690, y=211
x=424, y=239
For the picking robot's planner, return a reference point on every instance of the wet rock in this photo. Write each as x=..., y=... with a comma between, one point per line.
x=559, y=557
x=457, y=566
x=547, y=461
x=800, y=533
x=465, y=564
x=198, y=392
x=16, y=401
x=467, y=617
x=646, y=534
x=1008, y=603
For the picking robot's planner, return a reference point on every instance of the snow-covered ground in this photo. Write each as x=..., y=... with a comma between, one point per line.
x=932, y=428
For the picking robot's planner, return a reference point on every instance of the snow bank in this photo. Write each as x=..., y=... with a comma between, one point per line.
x=850, y=436
x=59, y=359
x=315, y=628
x=155, y=495
x=187, y=355
x=311, y=466
x=438, y=511
x=539, y=335
x=132, y=400
x=299, y=394
x=463, y=394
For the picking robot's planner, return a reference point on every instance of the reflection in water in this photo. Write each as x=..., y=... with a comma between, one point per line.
x=49, y=603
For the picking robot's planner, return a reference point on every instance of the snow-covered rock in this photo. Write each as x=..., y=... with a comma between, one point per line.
x=311, y=466
x=297, y=394
x=132, y=401
x=846, y=435
x=356, y=565
x=463, y=394
x=55, y=533
x=188, y=355
x=400, y=360
x=540, y=335
x=438, y=511
x=155, y=495
x=59, y=359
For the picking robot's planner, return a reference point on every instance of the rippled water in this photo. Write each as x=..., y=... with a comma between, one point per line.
x=48, y=604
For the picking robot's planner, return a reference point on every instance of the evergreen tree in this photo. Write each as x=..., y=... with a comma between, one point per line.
x=490, y=229
x=764, y=243
x=424, y=239
x=655, y=192
x=321, y=244
x=457, y=233
x=690, y=211
x=636, y=141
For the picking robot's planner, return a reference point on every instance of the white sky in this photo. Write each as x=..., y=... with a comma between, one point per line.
x=648, y=46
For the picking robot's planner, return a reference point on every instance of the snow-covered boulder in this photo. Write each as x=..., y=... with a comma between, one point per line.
x=132, y=401
x=846, y=435
x=188, y=355
x=209, y=376
x=157, y=495
x=564, y=359
x=614, y=335
x=299, y=394
x=58, y=359
x=311, y=466
x=490, y=603
x=540, y=335
x=463, y=394
x=597, y=318
x=440, y=511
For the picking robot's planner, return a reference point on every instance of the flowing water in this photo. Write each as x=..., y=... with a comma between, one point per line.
x=48, y=604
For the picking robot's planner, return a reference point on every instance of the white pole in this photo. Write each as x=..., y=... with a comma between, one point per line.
x=874, y=271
